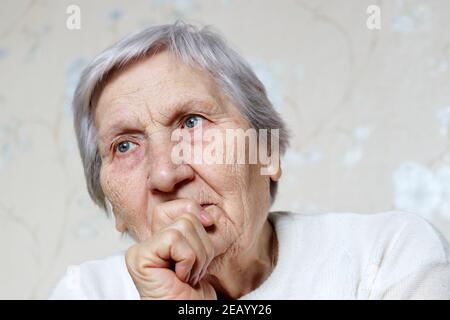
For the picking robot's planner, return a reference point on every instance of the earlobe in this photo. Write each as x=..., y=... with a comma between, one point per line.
x=120, y=225
x=276, y=172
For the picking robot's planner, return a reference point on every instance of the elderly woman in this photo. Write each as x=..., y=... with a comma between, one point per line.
x=203, y=230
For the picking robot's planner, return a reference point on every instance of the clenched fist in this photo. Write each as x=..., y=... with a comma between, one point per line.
x=171, y=264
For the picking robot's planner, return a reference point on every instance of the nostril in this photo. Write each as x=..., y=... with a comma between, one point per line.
x=166, y=178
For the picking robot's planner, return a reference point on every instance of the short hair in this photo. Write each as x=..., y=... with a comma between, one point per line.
x=200, y=47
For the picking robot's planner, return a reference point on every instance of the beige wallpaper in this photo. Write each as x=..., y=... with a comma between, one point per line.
x=369, y=111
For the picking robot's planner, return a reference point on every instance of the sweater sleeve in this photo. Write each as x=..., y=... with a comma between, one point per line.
x=415, y=264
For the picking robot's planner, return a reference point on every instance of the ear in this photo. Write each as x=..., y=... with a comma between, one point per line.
x=120, y=224
x=275, y=169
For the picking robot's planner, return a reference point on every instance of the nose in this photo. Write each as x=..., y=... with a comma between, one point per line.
x=164, y=175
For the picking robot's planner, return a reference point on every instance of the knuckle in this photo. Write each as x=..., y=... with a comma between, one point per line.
x=192, y=206
x=133, y=258
x=190, y=255
x=173, y=235
x=131, y=253
x=185, y=223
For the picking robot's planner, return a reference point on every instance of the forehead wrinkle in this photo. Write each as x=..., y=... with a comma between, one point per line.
x=125, y=94
x=115, y=103
x=150, y=119
x=124, y=109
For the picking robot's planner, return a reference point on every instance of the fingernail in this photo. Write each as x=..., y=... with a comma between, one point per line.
x=206, y=217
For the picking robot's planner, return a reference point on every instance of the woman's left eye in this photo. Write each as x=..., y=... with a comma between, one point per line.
x=124, y=146
x=191, y=121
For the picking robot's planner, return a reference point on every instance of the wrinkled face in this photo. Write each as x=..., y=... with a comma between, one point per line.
x=135, y=115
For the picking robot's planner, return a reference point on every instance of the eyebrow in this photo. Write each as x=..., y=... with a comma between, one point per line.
x=194, y=105
x=122, y=126
x=117, y=129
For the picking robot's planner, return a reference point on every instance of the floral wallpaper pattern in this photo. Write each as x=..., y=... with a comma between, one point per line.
x=369, y=112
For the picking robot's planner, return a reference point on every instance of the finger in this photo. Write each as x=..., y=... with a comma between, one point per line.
x=205, y=241
x=166, y=213
x=189, y=226
x=182, y=253
x=161, y=251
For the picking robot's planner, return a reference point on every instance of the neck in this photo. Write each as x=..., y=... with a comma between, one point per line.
x=243, y=274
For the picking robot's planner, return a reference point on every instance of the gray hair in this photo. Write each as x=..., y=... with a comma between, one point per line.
x=200, y=47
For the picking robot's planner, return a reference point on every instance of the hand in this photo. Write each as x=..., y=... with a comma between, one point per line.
x=172, y=263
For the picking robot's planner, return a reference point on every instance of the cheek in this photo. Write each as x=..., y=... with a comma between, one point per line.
x=224, y=179
x=233, y=183
x=124, y=184
x=249, y=199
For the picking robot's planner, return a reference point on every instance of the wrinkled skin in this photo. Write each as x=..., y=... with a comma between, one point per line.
x=184, y=250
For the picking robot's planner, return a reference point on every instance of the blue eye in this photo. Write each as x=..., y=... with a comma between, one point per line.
x=192, y=121
x=124, y=146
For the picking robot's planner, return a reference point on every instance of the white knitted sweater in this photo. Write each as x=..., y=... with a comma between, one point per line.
x=389, y=255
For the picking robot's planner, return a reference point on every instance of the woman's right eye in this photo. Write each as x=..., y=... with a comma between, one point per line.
x=124, y=146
